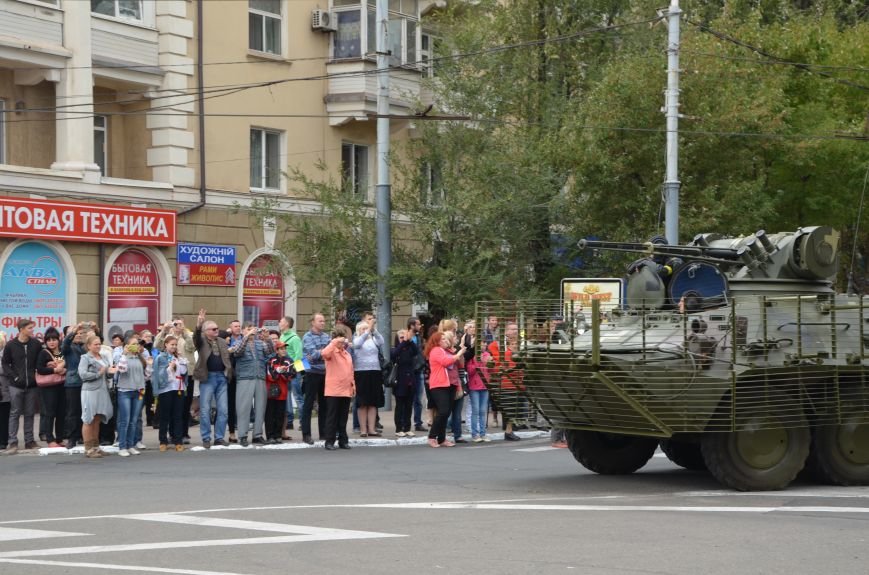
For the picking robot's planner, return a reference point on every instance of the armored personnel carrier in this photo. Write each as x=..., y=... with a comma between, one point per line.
x=734, y=355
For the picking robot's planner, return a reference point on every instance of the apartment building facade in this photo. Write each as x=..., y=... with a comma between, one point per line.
x=132, y=130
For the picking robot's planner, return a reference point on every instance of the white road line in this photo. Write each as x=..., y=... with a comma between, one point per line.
x=136, y=568
x=338, y=535
x=818, y=492
x=622, y=508
x=325, y=532
x=536, y=449
x=10, y=534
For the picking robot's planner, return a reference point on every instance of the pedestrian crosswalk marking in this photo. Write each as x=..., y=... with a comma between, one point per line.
x=16, y=534
x=112, y=567
x=295, y=534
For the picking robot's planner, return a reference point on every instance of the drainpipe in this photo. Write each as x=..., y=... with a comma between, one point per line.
x=200, y=29
x=102, y=290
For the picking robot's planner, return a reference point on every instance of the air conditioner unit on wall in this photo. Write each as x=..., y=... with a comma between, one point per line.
x=323, y=20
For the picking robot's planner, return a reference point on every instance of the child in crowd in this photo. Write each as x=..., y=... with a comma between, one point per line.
x=169, y=382
x=279, y=374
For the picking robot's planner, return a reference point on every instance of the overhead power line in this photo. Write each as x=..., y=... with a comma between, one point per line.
x=773, y=62
x=766, y=54
x=471, y=119
x=408, y=68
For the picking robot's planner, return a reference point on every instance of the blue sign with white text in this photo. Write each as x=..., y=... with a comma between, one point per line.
x=205, y=264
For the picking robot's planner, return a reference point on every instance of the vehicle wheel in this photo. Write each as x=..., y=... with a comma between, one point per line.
x=610, y=453
x=757, y=458
x=840, y=453
x=684, y=454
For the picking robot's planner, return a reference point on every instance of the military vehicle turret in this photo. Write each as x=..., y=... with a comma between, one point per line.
x=732, y=354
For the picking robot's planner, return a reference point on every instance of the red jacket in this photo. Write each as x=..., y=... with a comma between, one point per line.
x=280, y=372
x=505, y=372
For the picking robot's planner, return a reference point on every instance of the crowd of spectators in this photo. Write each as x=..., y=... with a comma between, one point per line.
x=249, y=384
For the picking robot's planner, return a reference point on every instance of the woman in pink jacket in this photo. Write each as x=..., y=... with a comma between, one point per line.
x=340, y=389
x=440, y=361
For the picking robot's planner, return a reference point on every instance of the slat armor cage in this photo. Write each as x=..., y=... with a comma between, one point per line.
x=752, y=362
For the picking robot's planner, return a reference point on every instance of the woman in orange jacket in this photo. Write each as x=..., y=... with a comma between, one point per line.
x=340, y=388
x=441, y=361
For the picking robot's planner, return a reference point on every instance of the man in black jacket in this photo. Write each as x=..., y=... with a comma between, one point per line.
x=19, y=363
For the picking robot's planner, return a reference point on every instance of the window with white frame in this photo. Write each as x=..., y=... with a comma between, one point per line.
x=101, y=140
x=126, y=9
x=357, y=30
x=265, y=159
x=354, y=168
x=427, y=44
x=265, y=20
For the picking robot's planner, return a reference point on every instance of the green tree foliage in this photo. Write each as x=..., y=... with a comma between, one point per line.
x=567, y=138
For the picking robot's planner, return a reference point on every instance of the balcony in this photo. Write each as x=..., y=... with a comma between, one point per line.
x=31, y=35
x=352, y=91
x=125, y=53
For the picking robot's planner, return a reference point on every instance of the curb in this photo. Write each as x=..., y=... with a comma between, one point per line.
x=367, y=442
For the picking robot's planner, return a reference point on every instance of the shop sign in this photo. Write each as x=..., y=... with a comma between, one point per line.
x=263, y=292
x=205, y=265
x=133, y=292
x=577, y=293
x=33, y=287
x=70, y=221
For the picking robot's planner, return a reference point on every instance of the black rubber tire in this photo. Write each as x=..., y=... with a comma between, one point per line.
x=833, y=463
x=608, y=453
x=684, y=454
x=723, y=459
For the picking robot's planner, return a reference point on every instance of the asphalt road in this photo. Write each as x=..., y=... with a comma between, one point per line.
x=501, y=508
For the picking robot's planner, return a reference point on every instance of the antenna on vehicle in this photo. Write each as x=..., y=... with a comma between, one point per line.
x=856, y=233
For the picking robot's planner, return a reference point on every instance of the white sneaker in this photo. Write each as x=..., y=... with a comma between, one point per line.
x=140, y=445
x=124, y=453
x=401, y=434
x=479, y=440
x=486, y=439
x=410, y=434
x=134, y=451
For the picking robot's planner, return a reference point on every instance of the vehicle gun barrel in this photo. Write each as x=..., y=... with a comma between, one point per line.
x=716, y=255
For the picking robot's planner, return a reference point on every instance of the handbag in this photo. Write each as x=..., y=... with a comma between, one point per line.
x=391, y=379
x=385, y=366
x=418, y=362
x=50, y=380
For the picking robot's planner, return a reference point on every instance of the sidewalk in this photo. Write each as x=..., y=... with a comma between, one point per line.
x=388, y=438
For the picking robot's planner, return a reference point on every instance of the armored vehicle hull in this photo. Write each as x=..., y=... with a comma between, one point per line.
x=754, y=384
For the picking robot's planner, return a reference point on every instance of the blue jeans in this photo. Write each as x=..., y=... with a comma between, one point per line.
x=213, y=389
x=455, y=422
x=479, y=412
x=296, y=392
x=418, y=393
x=129, y=413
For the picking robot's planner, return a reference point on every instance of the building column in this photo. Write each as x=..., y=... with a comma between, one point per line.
x=171, y=136
x=74, y=96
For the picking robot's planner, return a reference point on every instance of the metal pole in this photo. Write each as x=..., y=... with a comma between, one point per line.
x=382, y=203
x=671, y=184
